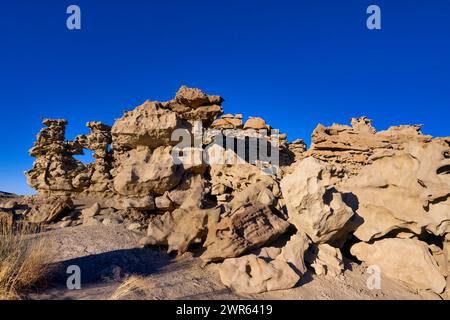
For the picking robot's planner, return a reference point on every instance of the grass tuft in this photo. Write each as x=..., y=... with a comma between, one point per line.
x=25, y=257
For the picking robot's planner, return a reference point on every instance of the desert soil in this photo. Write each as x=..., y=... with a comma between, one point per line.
x=108, y=254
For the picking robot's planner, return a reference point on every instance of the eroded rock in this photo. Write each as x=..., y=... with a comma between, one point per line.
x=247, y=228
x=314, y=205
x=250, y=275
x=407, y=260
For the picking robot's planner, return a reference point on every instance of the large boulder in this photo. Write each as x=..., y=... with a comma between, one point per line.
x=146, y=172
x=314, y=205
x=45, y=209
x=180, y=228
x=148, y=125
x=407, y=260
x=247, y=228
x=250, y=275
x=192, y=104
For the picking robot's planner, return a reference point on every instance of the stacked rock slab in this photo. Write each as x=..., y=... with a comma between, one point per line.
x=359, y=144
x=54, y=168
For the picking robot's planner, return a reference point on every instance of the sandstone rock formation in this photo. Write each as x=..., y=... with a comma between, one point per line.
x=314, y=205
x=245, y=229
x=250, y=274
x=355, y=145
x=181, y=173
x=407, y=260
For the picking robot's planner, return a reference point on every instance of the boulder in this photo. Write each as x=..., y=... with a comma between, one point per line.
x=407, y=260
x=180, y=228
x=147, y=172
x=314, y=205
x=148, y=125
x=91, y=211
x=325, y=260
x=255, y=123
x=228, y=121
x=245, y=229
x=294, y=252
x=47, y=209
x=192, y=104
x=251, y=275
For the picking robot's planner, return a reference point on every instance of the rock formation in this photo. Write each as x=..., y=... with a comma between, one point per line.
x=266, y=209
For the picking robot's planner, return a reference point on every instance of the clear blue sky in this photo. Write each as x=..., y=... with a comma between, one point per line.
x=294, y=63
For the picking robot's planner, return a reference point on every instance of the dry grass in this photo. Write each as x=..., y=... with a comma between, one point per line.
x=132, y=285
x=24, y=259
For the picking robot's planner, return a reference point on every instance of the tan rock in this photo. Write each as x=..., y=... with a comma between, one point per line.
x=47, y=209
x=250, y=275
x=139, y=203
x=54, y=167
x=146, y=172
x=228, y=121
x=407, y=260
x=180, y=228
x=314, y=205
x=355, y=145
x=326, y=260
x=247, y=228
x=404, y=192
x=91, y=211
x=191, y=97
x=239, y=177
x=294, y=252
x=268, y=253
x=164, y=203
x=255, y=123
x=441, y=259
x=148, y=125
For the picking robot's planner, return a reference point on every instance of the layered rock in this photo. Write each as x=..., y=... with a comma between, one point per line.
x=245, y=229
x=54, y=168
x=192, y=104
x=356, y=145
x=97, y=177
x=228, y=121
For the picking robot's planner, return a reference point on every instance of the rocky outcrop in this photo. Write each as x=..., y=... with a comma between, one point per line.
x=180, y=173
x=356, y=145
x=54, y=168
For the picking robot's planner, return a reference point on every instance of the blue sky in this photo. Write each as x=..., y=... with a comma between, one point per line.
x=294, y=63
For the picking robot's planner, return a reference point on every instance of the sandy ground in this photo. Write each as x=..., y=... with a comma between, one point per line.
x=107, y=255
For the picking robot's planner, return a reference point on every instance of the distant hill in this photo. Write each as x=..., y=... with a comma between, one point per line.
x=7, y=195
